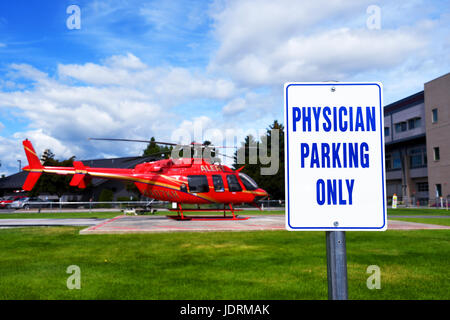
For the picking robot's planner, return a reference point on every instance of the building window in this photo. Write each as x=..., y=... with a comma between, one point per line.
x=434, y=114
x=422, y=186
x=438, y=190
x=417, y=157
x=386, y=131
x=393, y=161
x=413, y=123
x=396, y=161
x=437, y=155
x=400, y=127
x=388, y=160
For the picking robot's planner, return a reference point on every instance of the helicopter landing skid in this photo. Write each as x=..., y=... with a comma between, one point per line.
x=181, y=216
x=207, y=218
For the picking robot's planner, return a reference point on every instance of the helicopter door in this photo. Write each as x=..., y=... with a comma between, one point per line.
x=198, y=183
x=233, y=183
x=218, y=183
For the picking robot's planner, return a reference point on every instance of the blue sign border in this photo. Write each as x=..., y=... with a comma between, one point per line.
x=382, y=155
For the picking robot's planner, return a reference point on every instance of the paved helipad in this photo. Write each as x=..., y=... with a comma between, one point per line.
x=149, y=224
x=136, y=224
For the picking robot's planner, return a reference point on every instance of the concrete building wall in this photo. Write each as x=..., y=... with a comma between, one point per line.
x=405, y=144
x=403, y=116
x=437, y=96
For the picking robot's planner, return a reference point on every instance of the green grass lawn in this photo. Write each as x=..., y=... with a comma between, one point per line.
x=418, y=211
x=438, y=221
x=218, y=265
x=108, y=215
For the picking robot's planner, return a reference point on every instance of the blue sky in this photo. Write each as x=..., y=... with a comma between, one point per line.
x=158, y=31
x=138, y=69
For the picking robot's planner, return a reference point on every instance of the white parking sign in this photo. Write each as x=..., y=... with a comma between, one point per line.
x=334, y=156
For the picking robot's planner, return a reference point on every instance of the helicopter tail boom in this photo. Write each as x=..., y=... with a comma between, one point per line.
x=81, y=174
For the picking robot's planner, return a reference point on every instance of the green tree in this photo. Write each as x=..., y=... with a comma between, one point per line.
x=155, y=149
x=273, y=184
x=131, y=187
x=47, y=154
x=54, y=184
x=106, y=195
x=209, y=152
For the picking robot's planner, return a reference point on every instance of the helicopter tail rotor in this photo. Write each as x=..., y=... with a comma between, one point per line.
x=34, y=167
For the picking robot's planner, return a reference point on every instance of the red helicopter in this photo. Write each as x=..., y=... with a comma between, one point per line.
x=183, y=181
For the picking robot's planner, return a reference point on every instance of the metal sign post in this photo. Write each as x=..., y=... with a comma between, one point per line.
x=336, y=265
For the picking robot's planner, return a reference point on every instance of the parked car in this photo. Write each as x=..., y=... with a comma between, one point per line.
x=6, y=202
x=27, y=203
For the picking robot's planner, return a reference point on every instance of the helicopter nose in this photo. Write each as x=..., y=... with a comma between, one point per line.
x=262, y=194
x=266, y=194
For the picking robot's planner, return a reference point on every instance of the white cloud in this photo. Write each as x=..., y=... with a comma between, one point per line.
x=253, y=106
x=42, y=141
x=10, y=152
x=168, y=85
x=27, y=72
x=243, y=25
x=258, y=46
x=274, y=42
x=235, y=106
x=122, y=97
x=130, y=61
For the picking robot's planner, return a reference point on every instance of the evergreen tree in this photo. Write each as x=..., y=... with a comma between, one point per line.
x=47, y=154
x=154, y=148
x=209, y=152
x=54, y=184
x=273, y=184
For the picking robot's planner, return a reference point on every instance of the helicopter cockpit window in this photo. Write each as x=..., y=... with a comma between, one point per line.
x=248, y=182
x=198, y=183
x=218, y=183
x=233, y=183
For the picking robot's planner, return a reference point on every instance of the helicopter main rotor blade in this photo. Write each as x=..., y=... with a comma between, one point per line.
x=192, y=145
x=134, y=140
x=224, y=155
